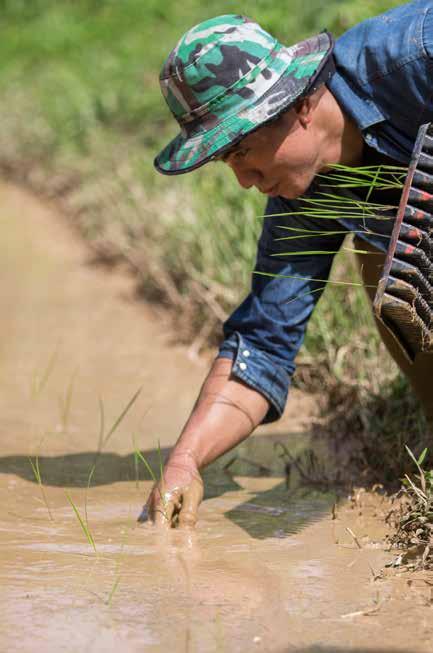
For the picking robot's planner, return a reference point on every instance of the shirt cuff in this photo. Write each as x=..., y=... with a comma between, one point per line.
x=258, y=370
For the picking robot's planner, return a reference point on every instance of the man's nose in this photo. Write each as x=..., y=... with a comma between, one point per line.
x=247, y=176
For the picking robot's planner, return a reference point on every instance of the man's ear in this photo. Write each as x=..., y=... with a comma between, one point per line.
x=304, y=110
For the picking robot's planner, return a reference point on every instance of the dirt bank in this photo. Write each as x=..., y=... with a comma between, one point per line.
x=266, y=569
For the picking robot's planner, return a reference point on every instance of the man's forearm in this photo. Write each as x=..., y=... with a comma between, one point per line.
x=226, y=412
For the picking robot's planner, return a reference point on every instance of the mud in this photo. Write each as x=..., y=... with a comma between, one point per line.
x=268, y=568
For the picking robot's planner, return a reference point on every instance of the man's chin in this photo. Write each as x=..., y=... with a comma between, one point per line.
x=293, y=193
x=290, y=195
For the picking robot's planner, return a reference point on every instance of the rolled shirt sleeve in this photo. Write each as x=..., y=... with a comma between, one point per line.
x=264, y=334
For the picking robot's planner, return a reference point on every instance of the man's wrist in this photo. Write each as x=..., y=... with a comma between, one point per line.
x=183, y=456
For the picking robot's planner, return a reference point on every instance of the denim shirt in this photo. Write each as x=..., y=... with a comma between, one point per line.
x=383, y=81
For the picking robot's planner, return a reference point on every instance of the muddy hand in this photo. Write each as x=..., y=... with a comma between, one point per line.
x=174, y=501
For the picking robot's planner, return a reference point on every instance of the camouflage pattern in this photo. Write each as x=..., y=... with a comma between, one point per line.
x=226, y=77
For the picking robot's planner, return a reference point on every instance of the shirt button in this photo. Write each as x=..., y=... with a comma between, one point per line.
x=242, y=366
x=246, y=353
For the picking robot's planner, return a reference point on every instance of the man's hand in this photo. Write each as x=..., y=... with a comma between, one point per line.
x=225, y=413
x=174, y=501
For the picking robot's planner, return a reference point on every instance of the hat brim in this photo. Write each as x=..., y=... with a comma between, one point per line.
x=185, y=154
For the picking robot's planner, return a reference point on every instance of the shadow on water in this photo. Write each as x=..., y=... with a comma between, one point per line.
x=283, y=508
x=260, y=456
x=73, y=470
x=280, y=512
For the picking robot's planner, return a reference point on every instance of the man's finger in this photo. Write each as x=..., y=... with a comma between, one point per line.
x=165, y=508
x=192, y=497
x=163, y=513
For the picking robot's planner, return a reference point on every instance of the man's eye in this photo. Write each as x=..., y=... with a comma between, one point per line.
x=240, y=154
x=233, y=156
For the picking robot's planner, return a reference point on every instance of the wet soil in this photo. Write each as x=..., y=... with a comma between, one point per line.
x=269, y=567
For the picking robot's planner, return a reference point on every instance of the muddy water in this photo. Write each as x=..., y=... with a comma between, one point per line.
x=267, y=569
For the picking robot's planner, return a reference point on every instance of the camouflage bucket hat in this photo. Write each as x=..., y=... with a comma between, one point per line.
x=225, y=78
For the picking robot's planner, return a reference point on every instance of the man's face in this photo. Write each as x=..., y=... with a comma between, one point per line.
x=280, y=158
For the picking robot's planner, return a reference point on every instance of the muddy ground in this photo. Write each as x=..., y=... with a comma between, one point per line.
x=269, y=567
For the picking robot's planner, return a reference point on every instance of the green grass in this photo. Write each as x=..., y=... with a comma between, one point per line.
x=82, y=106
x=83, y=115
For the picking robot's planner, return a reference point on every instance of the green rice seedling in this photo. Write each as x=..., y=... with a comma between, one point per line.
x=113, y=589
x=37, y=384
x=299, y=233
x=98, y=450
x=117, y=574
x=330, y=206
x=108, y=598
x=323, y=252
x=307, y=233
x=121, y=417
x=325, y=281
x=382, y=177
x=136, y=470
x=101, y=423
x=138, y=456
x=83, y=523
x=376, y=176
x=38, y=477
x=219, y=635
x=103, y=439
x=39, y=380
x=65, y=403
x=161, y=470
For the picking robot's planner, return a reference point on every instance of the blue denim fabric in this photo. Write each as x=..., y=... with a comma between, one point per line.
x=270, y=323
x=383, y=76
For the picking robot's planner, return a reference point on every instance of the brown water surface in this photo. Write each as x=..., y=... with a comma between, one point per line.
x=267, y=568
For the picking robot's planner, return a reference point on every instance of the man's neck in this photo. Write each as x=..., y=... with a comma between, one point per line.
x=342, y=140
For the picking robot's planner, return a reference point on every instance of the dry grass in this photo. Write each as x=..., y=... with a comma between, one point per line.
x=412, y=518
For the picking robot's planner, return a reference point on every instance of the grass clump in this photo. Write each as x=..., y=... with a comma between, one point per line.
x=413, y=519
